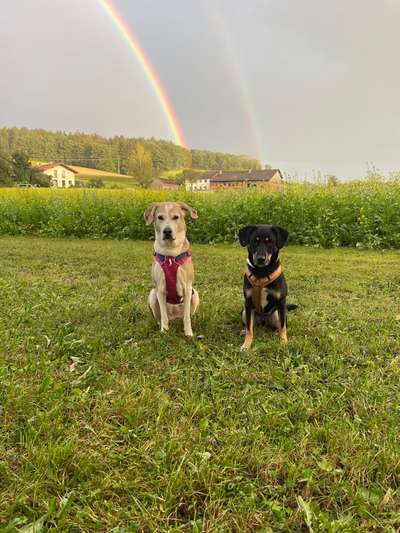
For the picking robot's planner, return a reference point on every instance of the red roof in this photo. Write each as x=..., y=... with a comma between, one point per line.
x=47, y=166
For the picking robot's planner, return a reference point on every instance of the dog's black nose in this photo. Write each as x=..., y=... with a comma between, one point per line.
x=167, y=233
x=260, y=260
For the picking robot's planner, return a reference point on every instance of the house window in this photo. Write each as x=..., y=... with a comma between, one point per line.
x=63, y=183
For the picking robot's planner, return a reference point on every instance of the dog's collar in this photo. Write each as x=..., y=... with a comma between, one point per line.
x=266, y=280
x=178, y=258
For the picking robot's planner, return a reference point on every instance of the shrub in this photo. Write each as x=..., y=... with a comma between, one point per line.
x=364, y=215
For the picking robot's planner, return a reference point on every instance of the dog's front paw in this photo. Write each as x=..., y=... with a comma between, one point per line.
x=283, y=336
x=245, y=346
x=188, y=333
x=164, y=329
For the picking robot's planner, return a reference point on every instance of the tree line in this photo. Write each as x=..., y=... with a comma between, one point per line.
x=138, y=157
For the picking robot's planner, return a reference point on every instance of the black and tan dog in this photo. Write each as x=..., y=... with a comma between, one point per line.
x=264, y=285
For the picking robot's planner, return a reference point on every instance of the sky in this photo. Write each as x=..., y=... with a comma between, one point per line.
x=302, y=85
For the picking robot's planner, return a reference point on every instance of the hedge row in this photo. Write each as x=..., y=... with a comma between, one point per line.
x=365, y=215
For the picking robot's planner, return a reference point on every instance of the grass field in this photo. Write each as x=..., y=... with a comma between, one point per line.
x=110, y=182
x=107, y=425
x=97, y=173
x=109, y=179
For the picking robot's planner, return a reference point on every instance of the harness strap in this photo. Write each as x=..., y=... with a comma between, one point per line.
x=258, y=284
x=170, y=266
x=177, y=258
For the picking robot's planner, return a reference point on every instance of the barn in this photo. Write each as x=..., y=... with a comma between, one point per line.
x=236, y=179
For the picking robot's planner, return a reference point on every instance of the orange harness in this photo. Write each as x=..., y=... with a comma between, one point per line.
x=258, y=284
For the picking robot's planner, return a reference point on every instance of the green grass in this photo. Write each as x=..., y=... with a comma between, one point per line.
x=111, y=181
x=171, y=174
x=107, y=425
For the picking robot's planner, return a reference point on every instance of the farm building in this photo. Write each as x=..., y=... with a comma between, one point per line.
x=61, y=175
x=220, y=179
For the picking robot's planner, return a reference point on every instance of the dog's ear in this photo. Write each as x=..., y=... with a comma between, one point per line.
x=281, y=234
x=149, y=213
x=188, y=209
x=245, y=234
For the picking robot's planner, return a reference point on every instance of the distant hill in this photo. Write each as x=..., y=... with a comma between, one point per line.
x=118, y=155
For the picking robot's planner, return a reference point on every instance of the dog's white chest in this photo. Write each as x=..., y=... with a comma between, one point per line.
x=263, y=298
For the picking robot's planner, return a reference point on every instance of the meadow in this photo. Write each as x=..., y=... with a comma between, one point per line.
x=108, y=425
x=362, y=215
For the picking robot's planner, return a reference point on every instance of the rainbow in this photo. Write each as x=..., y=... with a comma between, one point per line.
x=148, y=68
x=231, y=55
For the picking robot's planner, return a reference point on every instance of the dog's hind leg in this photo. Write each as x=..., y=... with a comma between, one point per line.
x=154, y=305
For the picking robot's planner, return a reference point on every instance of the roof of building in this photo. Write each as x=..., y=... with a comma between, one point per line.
x=207, y=175
x=243, y=175
x=48, y=166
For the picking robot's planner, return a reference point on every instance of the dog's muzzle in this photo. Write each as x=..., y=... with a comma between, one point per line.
x=167, y=234
x=262, y=260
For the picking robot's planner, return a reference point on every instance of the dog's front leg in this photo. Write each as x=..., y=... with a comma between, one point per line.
x=249, y=311
x=187, y=300
x=282, y=322
x=162, y=300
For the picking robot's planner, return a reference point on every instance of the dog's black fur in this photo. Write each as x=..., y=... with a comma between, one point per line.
x=263, y=244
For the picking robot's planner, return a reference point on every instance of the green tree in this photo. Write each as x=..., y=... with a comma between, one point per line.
x=95, y=151
x=23, y=172
x=140, y=165
x=38, y=178
x=21, y=167
x=5, y=171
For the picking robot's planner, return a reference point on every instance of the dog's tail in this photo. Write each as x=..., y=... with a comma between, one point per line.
x=291, y=307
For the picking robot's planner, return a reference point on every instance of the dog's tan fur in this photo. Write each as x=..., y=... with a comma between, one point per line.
x=172, y=214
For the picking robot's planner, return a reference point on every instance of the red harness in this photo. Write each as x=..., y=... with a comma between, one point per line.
x=170, y=266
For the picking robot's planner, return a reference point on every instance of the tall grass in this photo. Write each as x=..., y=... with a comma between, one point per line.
x=365, y=215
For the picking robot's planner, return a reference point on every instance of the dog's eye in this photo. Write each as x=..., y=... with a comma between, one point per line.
x=175, y=217
x=160, y=217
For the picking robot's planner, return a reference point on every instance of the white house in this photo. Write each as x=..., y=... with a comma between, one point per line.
x=198, y=185
x=61, y=175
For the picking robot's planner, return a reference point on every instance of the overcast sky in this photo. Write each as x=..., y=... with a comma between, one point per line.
x=301, y=84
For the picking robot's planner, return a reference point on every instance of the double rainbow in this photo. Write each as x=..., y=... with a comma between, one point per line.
x=148, y=68
x=231, y=56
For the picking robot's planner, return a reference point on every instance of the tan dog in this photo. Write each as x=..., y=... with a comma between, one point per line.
x=172, y=270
